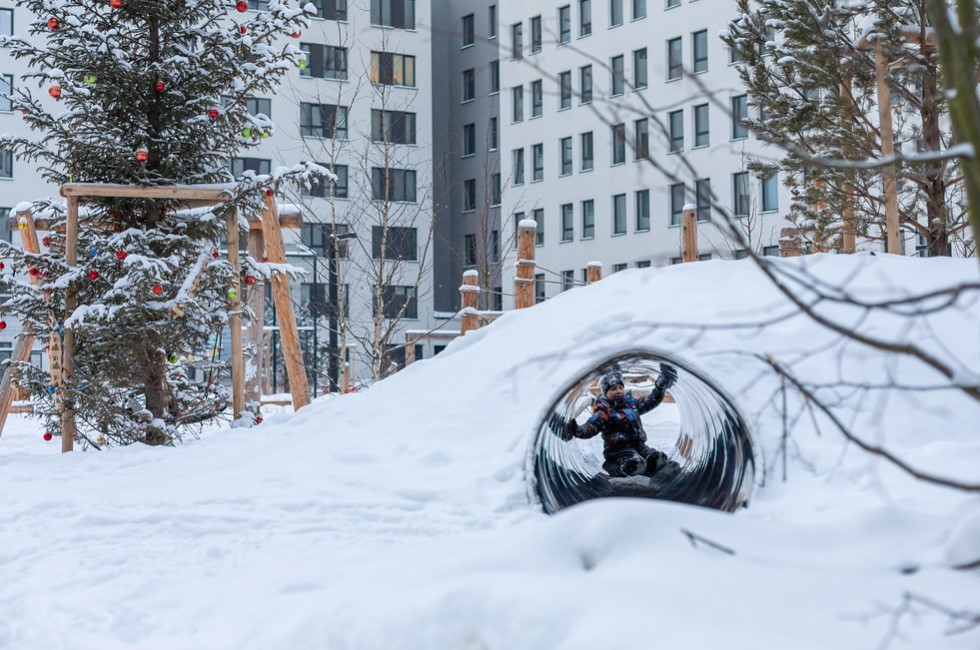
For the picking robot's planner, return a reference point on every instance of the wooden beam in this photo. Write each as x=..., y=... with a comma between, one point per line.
x=849, y=227
x=469, y=295
x=67, y=406
x=524, y=278
x=292, y=353
x=288, y=221
x=235, y=319
x=887, y=149
x=213, y=193
x=253, y=333
x=689, y=235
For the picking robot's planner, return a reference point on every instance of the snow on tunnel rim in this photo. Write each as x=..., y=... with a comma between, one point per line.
x=713, y=446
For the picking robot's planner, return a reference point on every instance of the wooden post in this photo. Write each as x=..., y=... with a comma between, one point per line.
x=593, y=272
x=849, y=229
x=689, y=234
x=887, y=149
x=524, y=278
x=253, y=334
x=67, y=406
x=789, y=243
x=235, y=319
x=289, y=335
x=469, y=297
x=410, y=350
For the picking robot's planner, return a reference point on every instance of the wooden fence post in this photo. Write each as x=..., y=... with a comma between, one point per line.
x=292, y=353
x=593, y=272
x=235, y=318
x=689, y=234
x=469, y=297
x=253, y=334
x=527, y=230
x=887, y=149
x=789, y=243
x=68, y=347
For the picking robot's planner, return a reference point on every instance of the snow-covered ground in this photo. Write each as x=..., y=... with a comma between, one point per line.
x=401, y=517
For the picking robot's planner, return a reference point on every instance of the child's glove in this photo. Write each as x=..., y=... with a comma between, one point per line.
x=668, y=376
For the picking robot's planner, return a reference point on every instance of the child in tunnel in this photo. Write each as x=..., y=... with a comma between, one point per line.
x=616, y=415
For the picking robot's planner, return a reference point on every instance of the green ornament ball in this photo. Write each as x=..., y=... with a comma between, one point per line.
x=266, y=134
x=232, y=294
x=90, y=79
x=247, y=132
x=301, y=64
x=173, y=358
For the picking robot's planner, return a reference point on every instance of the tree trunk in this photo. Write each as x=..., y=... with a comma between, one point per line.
x=156, y=396
x=936, y=214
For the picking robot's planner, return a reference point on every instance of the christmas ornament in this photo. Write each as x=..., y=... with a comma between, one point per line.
x=157, y=290
x=232, y=294
x=22, y=223
x=301, y=64
x=47, y=436
x=241, y=6
x=53, y=23
x=142, y=155
x=160, y=87
x=93, y=275
x=215, y=253
x=1, y=266
x=269, y=192
x=115, y=4
x=266, y=134
x=296, y=34
x=90, y=79
x=243, y=29
x=250, y=280
x=100, y=440
x=247, y=132
x=173, y=358
x=121, y=255
x=3, y=324
x=33, y=271
x=93, y=252
x=46, y=240
x=55, y=91
x=213, y=113
x=258, y=419
x=52, y=390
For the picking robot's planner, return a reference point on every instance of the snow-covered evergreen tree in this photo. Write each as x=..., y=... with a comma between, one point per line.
x=149, y=92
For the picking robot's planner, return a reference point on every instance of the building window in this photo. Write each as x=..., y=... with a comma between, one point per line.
x=565, y=146
x=6, y=90
x=319, y=237
x=320, y=188
x=643, y=264
x=469, y=139
x=770, y=193
x=619, y=267
x=702, y=192
x=393, y=13
x=469, y=85
x=469, y=250
x=701, y=137
x=567, y=222
x=538, y=216
x=324, y=61
x=642, y=210
x=565, y=24
x=331, y=9
x=619, y=214
x=323, y=121
x=565, y=84
x=700, y=43
x=567, y=280
x=539, y=295
x=395, y=127
x=537, y=98
x=398, y=302
x=495, y=189
x=704, y=257
x=675, y=61
x=517, y=103
x=469, y=195
x=258, y=5
x=675, y=125
x=740, y=194
x=6, y=22
x=639, y=9
x=640, y=68
x=468, y=33
x=397, y=243
x=494, y=76
x=494, y=134
x=641, y=134
x=535, y=34
x=585, y=81
x=392, y=69
x=587, y=153
x=492, y=20
x=518, y=166
x=673, y=3
x=584, y=17
x=676, y=203
x=588, y=219
x=517, y=41
x=388, y=184
x=537, y=162
x=618, y=144
x=770, y=251
x=618, y=75
x=615, y=13
x=740, y=113
x=238, y=165
x=495, y=246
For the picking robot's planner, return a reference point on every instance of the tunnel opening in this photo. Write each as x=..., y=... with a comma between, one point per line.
x=711, y=460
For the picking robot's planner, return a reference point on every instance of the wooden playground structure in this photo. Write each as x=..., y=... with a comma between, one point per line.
x=265, y=242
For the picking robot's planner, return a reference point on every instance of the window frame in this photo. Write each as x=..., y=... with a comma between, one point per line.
x=567, y=219
x=675, y=58
x=641, y=205
x=619, y=215
x=588, y=219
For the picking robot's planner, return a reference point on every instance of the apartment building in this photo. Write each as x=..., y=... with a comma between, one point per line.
x=362, y=107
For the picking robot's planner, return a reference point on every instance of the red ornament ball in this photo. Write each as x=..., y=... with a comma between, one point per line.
x=1, y=266
x=213, y=113
x=250, y=280
x=215, y=253
x=33, y=270
x=93, y=275
x=157, y=290
x=53, y=23
x=160, y=87
x=258, y=419
x=47, y=240
x=142, y=155
x=241, y=6
x=115, y=4
x=269, y=193
x=243, y=29
x=296, y=34
x=3, y=324
x=121, y=255
x=54, y=90
x=47, y=436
